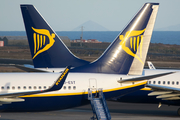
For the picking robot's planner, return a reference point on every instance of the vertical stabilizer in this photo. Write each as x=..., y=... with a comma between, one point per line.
x=150, y=65
x=47, y=49
x=137, y=67
x=127, y=53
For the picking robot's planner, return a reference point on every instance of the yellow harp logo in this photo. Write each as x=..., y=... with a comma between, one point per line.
x=40, y=40
x=135, y=38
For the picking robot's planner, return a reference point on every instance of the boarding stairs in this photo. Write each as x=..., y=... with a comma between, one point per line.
x=99, y=106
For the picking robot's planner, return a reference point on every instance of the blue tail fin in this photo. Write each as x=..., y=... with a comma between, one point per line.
x=47, y=49
x=127, y=53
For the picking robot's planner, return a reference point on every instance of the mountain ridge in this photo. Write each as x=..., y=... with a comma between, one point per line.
x=90, y=26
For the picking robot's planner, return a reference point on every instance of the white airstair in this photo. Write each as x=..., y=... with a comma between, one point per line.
x=99, y=106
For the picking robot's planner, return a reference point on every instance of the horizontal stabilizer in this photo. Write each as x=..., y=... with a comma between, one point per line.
x=28, y=69
x=144, y=77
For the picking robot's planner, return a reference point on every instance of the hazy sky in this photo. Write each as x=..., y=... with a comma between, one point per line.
x=65, y=15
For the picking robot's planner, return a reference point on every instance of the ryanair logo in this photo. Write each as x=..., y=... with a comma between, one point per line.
x=136, y=41
x=62, y=76
x=40, y=42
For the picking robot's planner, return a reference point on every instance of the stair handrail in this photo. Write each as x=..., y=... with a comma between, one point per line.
x=89, y=94
x=100, y=90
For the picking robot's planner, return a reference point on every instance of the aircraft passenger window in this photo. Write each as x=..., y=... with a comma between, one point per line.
x=13, y=87
x=44, y=87
x=159, y=82
x=64, y=87
x=168, y=82
x=154, y=82
x=69, y=87
x=34, y=87
x=24, y=87
x=39, y=87
x=74, y=87
x=7, y=87
x=149, y=82
x=164, y=82
x=177, y=83
x=29, y=87
x=173, y=82
x=19, y=87
x=2, y=87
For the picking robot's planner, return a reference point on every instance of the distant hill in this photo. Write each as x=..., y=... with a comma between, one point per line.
x=170, y=28
x=90, y=26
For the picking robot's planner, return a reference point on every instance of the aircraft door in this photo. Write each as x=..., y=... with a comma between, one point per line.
x=93, y=84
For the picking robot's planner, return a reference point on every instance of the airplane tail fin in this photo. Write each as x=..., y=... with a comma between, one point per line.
x=127, y=53
x=150, y=65
x=47, y=49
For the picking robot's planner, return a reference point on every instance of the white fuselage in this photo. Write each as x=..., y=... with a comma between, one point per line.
x=171, y=80
x=75, y=82
x=78, y=82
